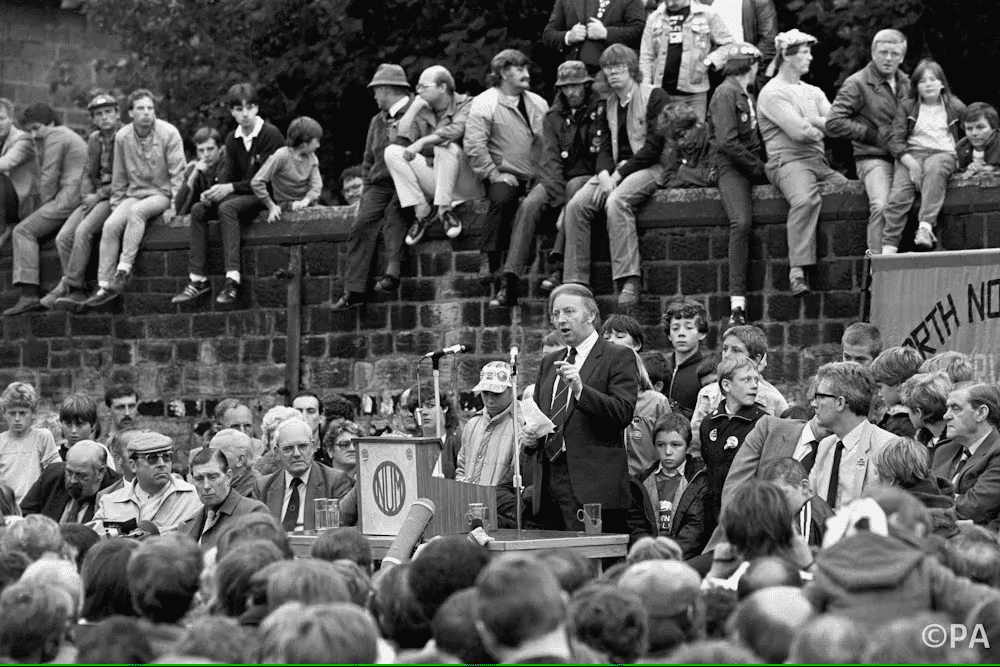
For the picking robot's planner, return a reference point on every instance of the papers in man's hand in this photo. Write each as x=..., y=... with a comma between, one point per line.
x=536, y=424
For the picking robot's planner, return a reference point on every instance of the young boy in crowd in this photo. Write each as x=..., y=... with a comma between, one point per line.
x=979, y=150
x=723, y=431
x=24, y=449
x=810, y=511
x=687, y=325
x=292, y=171
x=748, y=341
x=203, y=173
x=861, y=343
x=78, y=418
x=673, y=488
x=651, y=403
x=891, y=369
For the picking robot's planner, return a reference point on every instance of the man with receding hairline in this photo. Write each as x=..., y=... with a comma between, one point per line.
x=588, y=389
x=212, y=478
x=67, y=492
x=289, y=493
x=238, y=449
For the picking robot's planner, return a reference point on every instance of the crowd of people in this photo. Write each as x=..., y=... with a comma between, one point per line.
x=683, y=94
x=757, y=530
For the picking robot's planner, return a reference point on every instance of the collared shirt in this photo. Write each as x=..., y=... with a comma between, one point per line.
x=398, y=106
x=174, y=504
x=248, y=138
x=582, y=351
x=822, y=469
x=979, y=443
x=802, y=446
x=299, y=522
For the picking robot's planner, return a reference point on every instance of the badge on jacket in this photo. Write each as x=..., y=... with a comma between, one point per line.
x=861, y=463
x=744, y=117
x=713, y=435
x=731, y=442
x=565, y=154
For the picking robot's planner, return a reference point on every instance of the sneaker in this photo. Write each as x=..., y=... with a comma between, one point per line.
x=102, y=296
x=737, y=317
x=418, y=229
x=25, y=304
x=72, y=301
x=348, y=301
x=49, y=300
x=119, y=282
x=552, y=282
x=925, y=238
x=452, y=225
x=799, y=285
x=628, y=297
x=387, y=283
x=229, y=293
x=507, y=295
x=194, y=290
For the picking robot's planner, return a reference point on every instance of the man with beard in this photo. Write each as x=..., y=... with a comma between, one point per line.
x=67, y=492
x=570, y=143
x=212, y=477
x=503, y=142
x=154, y=495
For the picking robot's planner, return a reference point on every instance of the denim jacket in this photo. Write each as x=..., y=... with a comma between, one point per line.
x=704, y=33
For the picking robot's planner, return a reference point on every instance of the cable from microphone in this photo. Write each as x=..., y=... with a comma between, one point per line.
x=437, y=354
x=419, y=515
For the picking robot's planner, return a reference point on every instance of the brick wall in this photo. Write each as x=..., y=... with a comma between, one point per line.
x=49, y=54
x=186, y=358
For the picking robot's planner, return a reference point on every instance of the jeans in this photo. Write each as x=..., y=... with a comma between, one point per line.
x=76, y=240
x=27, y=233
x=799, y=183
x=123, y=232
x=937, y=167
x=378, y=212
x=631, y=194
x=232, y=212
x=737, y=200
x=450, y=180
x=876, y=174
x=529, y=213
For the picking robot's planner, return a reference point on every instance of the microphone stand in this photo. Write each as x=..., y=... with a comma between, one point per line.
x=436, y=372
x=518, y=481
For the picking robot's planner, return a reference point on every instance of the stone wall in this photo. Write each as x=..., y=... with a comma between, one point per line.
x=49, y=54
x=184, y=358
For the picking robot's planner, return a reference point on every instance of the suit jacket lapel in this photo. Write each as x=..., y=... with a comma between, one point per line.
x=591, y=363
x=981, y=455
x=545, y=387
x=276, y=495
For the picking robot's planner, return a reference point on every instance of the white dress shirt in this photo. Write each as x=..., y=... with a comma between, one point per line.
x=299, y=522
x=248, y=138
x=582, y=352
x=802, y=447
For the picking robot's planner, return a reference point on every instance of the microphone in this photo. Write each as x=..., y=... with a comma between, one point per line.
x=437, y=354
x=420, y=514
x=514, y=352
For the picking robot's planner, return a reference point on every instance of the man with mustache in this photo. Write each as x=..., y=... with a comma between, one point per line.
x=123, y=401
x=503, y=140
x=67, y=492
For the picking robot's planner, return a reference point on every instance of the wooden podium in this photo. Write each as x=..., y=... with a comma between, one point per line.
x=393, y=472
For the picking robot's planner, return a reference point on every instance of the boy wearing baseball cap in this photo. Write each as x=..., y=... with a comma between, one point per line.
x=487, y=451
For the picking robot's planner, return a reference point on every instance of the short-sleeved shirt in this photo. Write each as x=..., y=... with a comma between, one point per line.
x=22, y=459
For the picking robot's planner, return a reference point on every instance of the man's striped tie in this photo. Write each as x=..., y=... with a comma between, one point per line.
x=556, y=442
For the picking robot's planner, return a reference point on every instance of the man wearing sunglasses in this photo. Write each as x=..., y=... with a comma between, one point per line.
x=154, y=495
x=487, y=452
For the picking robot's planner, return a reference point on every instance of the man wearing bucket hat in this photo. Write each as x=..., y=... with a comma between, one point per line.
x=154, y=495
x=379, y=211
x=487, y=452
x=63, y=155
x=76, y=237
x=792, y=118
x=571, y=140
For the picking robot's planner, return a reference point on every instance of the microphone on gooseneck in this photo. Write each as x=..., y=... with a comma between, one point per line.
x=420, y=514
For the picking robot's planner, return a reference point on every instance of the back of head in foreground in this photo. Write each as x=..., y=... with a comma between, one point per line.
x=337, y=633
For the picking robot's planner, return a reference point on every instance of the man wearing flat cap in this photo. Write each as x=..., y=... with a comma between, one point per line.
x=503, y=140
x=792, y=117
x=571, y=140
x=154, y=495
x=487, y=452
x=379, y=211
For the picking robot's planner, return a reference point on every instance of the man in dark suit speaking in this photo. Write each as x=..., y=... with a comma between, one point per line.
x=582, y=29
x=588, y=389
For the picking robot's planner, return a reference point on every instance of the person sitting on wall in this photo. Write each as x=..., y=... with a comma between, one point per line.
x=203, y=173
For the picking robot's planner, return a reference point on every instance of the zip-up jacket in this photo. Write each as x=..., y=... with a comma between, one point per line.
x=906, y=118
x=722, y=435
x=687, y=522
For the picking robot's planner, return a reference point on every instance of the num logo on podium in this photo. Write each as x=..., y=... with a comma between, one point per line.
x=389, y=488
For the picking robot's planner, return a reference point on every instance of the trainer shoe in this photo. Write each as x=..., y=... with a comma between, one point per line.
x=229, y=293
x=194, y=290
x=925, y=239
x=418, y=229
x=452, y=225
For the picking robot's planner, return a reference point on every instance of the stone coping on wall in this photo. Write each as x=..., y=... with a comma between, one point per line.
x=669, y=208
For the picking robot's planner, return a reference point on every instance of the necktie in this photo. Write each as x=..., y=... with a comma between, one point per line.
x=556, y=441
x=292, y=512
x=957, y=470
x=831, y=492
x=71, y=512
x=211, y=516
x=809, y=460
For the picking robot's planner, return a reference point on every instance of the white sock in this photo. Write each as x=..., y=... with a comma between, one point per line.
x=127, y=268
x=889, y=250
x=737, y=302
x=195, y=278
x=233, y=275
x=928, y=226
x=422, y=210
